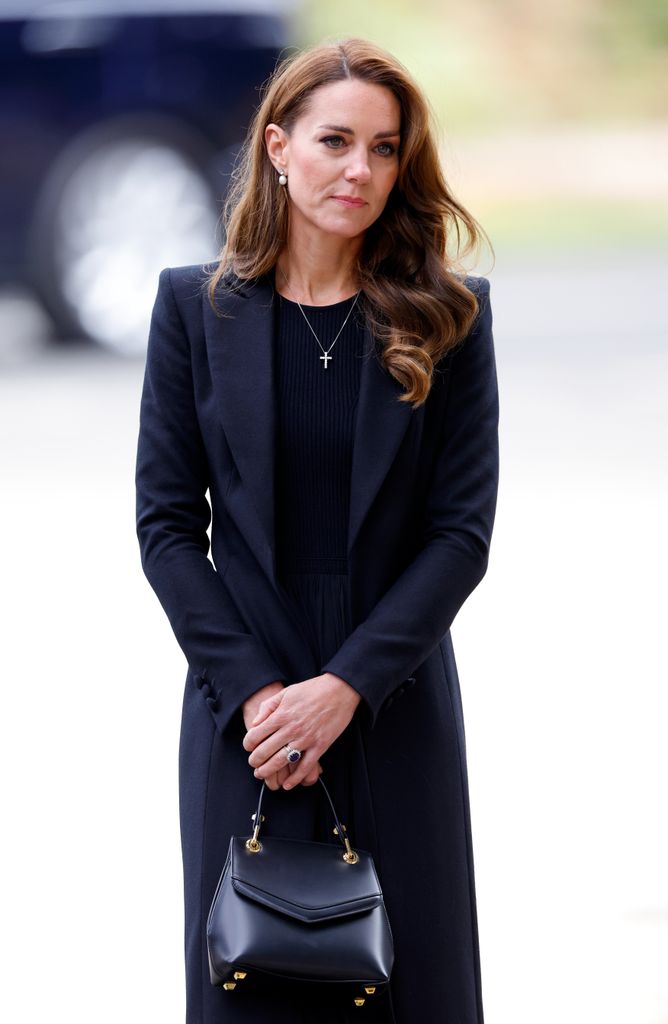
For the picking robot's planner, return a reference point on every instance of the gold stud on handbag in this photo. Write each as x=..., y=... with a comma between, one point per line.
x=295, y=912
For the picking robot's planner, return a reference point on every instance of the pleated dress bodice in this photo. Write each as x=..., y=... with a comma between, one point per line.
x=316, y=421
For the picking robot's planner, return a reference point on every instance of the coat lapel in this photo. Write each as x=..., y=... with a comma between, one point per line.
x=241, y=358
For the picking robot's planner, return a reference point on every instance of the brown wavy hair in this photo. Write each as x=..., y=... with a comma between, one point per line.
x=409, y=267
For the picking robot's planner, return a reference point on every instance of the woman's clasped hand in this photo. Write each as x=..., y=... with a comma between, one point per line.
x=309, y=716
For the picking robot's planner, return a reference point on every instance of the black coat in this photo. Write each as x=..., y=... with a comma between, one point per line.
x=423, y=499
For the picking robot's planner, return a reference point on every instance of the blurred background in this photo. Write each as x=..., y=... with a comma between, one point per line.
x=119, y=125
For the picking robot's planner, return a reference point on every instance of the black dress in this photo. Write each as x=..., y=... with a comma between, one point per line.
x=316, y=420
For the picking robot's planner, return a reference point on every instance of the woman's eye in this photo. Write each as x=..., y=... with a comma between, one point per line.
x=388, y=148
x=332, y=141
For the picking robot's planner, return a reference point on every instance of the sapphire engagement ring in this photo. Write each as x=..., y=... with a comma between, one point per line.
x=292, y=755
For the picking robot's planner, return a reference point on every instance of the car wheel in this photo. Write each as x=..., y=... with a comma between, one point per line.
x=122, y=202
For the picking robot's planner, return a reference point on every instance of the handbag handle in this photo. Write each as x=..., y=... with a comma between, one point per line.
x=254, y=845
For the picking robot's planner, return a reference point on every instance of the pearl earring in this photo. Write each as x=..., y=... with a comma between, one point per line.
x=282, y=178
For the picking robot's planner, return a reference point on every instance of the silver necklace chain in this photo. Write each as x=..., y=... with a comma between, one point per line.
x=325, y=356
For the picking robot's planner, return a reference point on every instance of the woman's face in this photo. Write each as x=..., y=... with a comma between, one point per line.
x=341, y=157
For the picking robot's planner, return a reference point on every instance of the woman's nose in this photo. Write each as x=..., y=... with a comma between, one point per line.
x=358, y=168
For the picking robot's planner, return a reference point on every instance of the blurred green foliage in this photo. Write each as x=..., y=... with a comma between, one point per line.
x=572, y=224
x=490, y=62
x=510, y=67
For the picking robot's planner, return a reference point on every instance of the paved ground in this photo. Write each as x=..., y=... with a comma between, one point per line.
x=561, y=652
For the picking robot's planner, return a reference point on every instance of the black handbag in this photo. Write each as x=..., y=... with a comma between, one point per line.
x=291, y=911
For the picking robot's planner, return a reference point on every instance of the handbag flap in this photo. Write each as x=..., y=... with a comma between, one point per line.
x=306, y=880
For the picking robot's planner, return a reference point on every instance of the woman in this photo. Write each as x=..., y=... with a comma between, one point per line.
x=331, y=381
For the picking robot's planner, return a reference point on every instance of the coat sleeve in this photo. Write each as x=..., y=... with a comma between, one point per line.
x=412, y=617
x=172, y=517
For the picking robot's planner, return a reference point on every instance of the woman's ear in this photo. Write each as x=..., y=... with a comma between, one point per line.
x=276, y=141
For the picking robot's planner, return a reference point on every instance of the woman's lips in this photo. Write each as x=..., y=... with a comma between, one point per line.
x=349, y=201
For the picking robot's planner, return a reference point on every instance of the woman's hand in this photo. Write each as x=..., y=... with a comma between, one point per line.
x=309, y=716
x=251, y=707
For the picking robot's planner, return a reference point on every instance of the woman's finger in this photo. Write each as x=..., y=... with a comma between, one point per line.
x=312, y=777
x=276, y=779
x=270, y=752
x=266, y=725
x=266, y=708
x=270, y=756
x=302, y=770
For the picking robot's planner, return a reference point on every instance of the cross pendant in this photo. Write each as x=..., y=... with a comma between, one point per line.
x=326, y=357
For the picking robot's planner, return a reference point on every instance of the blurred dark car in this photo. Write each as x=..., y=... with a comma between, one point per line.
x=119, y=124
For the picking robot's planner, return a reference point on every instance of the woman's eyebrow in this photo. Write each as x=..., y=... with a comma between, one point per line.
x=349, y=131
